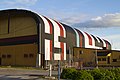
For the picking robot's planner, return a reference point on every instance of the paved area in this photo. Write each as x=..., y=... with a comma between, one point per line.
x=23, y=74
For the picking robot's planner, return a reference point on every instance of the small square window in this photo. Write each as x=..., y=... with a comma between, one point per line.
x=31, y=55
x=25, y=55
x=3, y=56
x=8, y=56
x=103, y=59
x=81, y=52
x=114, y=60
x=99, y=59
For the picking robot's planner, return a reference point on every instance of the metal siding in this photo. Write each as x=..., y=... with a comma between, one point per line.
x=70, y=37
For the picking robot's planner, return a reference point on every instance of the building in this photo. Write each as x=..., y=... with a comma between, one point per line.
x=87, y=57
x=84, y=57
x=115, y=58
x=30, y=39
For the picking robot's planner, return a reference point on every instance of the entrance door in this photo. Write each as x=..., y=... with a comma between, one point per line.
x=108, y=60
x=0, y=61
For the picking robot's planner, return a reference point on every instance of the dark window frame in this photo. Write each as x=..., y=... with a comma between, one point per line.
x=99, y=59
x=103, y=59
x=80, y=52
x=25, y=55
x=9, y=56
x=31, y=55
x=114, y=60
x=4, y=56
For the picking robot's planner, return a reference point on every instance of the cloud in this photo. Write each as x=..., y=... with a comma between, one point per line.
x=26, y=1
x=72, y=19
x=68, y=18
x=18, y=2
x=114, y=40
x=108, y=20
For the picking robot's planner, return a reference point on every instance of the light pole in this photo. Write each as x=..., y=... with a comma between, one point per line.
x=59, y=67
x=96, y=58
x=69, y=57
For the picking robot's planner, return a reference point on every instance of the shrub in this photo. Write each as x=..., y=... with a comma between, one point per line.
x=84, y=75
x=68, y=73
x=116, y=73
x=107, y=74
x=96, y=74
x=75, y=74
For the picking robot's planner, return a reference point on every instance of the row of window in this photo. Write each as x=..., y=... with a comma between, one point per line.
x=114, y=60
x=25, y=55
x=6, y=56
x=101, y=59
x=104, y=59
x=28, y=55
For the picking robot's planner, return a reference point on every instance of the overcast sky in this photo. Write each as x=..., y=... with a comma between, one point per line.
x=97, y=17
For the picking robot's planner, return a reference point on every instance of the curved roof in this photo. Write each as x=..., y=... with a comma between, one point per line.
x=83, y=39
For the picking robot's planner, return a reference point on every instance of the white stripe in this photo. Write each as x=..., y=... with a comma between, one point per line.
x=86, y=40
x=57, y=56
x=64, y=57
x=63, y=29
x=97, y=39
x=64, y=51
x=47, y=49
x=104, y=44
x=47, y=27
x=56, y=33
x=77, y=38
x=85, y=36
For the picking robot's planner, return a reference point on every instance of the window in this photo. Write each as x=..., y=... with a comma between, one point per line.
x=25, y=55
x=99, y=59
x=28, y=55
x=103, y=59
x=114, y=60
x=31, y=55
x=3, y=56
x=81, y=52
x=8, y=56
x=104, y=48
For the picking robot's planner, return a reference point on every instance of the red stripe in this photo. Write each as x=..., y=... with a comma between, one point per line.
x=61, y=43
x=106, y=44
x=90, y=39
